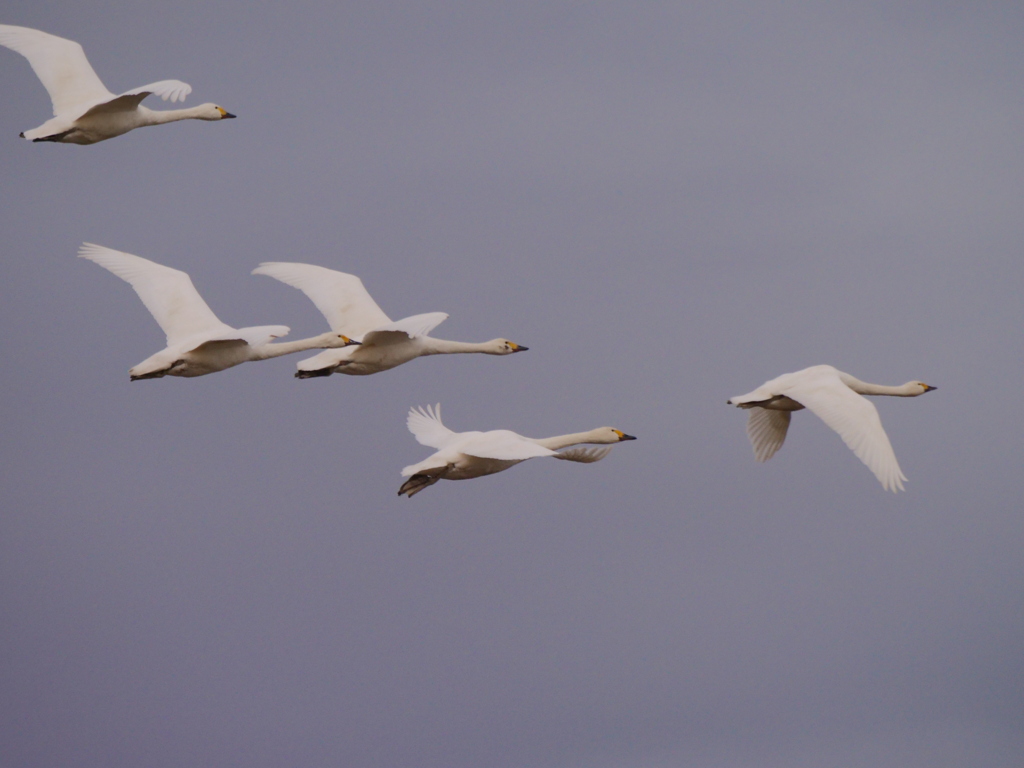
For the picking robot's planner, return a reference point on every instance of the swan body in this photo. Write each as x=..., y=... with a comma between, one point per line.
x=465, y=455
x=197, y=341
x=84, y=111
x=835, y=398
x=349, y=308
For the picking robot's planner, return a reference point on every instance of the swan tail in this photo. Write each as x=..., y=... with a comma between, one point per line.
x=300, y=374
x=55, y=137
x=422, y=480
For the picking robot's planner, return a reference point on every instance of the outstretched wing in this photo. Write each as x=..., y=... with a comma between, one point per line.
x=168, y=90
x=340, y=297
x=855, y=419
x=404, y=329
x=173, y=90
x=767, y=431
x=255, y=335
x=502, y=444
x=584, y=455
x=59, y=64
x=425, y=425
x=167, y=293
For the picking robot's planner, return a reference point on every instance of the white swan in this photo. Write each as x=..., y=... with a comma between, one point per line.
x=197, y=342
x=343, y=300
x=84, y=110
x=833, y=396
x=464, y=455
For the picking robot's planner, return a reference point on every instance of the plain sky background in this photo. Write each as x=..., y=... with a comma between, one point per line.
x=669, y=203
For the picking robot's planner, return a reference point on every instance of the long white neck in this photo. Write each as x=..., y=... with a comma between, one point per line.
x=432, y=346
x=910, y=389
x=564, y=441
x=161, y=116
x=327, y=340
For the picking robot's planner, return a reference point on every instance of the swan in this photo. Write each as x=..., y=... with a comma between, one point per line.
x=464, y=455
x=84, y=111
x=833, y=397
x=197, y=341
x=348, y=307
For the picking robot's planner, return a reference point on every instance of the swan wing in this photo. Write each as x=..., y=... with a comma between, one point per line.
x=59, y=64
x=175, y=90
x=340, y=297
x=502, y=444
x=167, y=293
x=255, y=335
x=855, y=419
x=584, y=454
x=168, y=90
x=405, y=329
x=767, y=431
x=425, y=425
x=234, y=337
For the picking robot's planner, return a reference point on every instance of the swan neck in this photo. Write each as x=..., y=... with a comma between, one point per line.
x=277, y=349
x=161, y=116
x=432, y=346
x=564, y=441
x=865, y=388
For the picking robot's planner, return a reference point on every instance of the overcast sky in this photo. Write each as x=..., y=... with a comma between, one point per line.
x=669, y=203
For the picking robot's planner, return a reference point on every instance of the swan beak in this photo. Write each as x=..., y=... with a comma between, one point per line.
x=928, y=388
x=517, y=347
x=225, y=115
x=349, y=342
x=624, y=436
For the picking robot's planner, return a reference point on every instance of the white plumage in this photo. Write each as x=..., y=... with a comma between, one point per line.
x=348, y=307
x=835, y=398
x=84, y=111
x=197, y=341
x=465, y=455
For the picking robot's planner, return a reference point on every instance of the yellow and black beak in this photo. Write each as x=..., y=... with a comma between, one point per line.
x=224, y=114
x=349, y=342
x=928, y=388
x=624, y=436
x=517, y=347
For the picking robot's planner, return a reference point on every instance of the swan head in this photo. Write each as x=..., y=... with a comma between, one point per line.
x=339, y=340
x=916, y=388
x=503, y=347
x=212, y=112
x=609, y=435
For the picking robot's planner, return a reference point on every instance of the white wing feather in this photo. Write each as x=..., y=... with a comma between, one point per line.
x=168, y=90
x=584, y=455
x=175, y=90
x=59, y=64
x=340, y=297
x=167, y=293
x=767, y=431
x=425, y=425
x=855, y=419
x=501, y=444
x=255, y=335
x=406, y=328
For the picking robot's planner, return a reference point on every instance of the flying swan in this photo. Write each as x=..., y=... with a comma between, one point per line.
x=197, y=342
x=84, y=111
x=342, y=299
x=464, y=455
x=833, y=396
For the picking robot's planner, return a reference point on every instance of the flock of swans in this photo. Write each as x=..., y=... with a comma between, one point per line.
x=363, y=340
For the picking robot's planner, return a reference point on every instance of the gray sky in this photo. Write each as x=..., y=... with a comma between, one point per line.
x=669, y=203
